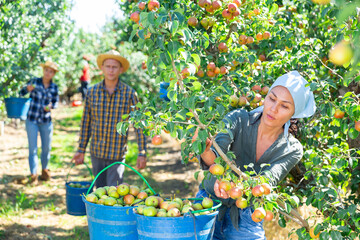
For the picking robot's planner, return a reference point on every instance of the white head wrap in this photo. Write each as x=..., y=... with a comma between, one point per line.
x=302, y=95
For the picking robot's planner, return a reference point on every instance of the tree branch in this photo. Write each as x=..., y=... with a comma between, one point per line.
x=332, y=70
x=301, y=221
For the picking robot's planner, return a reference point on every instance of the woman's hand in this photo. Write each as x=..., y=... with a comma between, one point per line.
x=220, y=193
x=30, y=87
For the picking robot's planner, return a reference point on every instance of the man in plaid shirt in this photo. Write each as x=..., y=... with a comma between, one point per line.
x=105, y=104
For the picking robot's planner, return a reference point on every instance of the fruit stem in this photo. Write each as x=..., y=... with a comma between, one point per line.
x=227, y=160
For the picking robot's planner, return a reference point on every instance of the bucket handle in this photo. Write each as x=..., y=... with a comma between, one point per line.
x=219, y=203
x=124, y=165
x=73, y=165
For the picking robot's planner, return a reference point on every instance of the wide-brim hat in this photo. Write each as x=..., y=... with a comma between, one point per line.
x=51, y=65
x=112, y=54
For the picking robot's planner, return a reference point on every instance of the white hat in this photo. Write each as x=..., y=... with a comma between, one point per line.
x=302, y=95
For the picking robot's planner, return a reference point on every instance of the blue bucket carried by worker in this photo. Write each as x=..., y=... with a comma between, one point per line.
x=110, y=222
x=74, y=191
x=188, y=227
x=17, y=107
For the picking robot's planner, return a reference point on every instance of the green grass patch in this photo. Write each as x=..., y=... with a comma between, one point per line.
x=79, y=233
x=74, y=118
x=16, y=206
x=65, y=138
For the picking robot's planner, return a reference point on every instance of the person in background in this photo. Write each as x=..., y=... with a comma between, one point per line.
x=85, y=77
x=44, y=97
x=259, y=137
x=105, y=104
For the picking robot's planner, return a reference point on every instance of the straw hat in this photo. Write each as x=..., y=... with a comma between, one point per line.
x=112, y=54
x=51, y=65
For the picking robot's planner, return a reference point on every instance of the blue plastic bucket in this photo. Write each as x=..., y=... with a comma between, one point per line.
x=109, y=222
x=176, y=228
x=17, y=107
x=74, y=204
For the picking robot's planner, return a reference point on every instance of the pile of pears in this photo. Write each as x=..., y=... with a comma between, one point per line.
x=156, y=206
x=124, y=195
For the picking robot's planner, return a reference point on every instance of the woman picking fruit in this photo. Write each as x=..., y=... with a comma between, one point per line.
x=44, y=97
x=259, y=138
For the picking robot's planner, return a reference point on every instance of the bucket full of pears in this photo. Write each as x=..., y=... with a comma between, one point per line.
x=74, y=191
x=179, y=219
x=109, y=209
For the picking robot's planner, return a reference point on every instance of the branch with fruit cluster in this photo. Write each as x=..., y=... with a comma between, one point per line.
x=297, y=217
x=202, y=126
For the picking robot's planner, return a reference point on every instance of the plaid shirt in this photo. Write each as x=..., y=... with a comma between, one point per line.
x=102, y=112
x=40, y=98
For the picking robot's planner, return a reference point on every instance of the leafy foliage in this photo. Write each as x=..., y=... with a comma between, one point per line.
x=301, y=36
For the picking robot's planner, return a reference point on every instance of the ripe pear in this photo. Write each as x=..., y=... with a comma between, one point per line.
x=341, y=54
x=234, y=100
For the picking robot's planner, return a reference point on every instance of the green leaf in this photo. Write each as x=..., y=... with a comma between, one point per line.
x=196, y=58
x=295, y=200
x=151, y=17
x=196, y=175
x=178, y=15
x=325, y=11
x=324, y=180
x=203, y=135
x=173, y=47
x=196, y=86
x=274, y=8
x=197, y=147
x=352, y=209
x=170, y=126
x=282, y=222
x=144, y=19
x=288, y=207
x=335, y=235
x=164, y=58
x=160, y=42
x=184, y=54
x=172, y=95
x=353, y=133
x=220, y=109
x=133, y=33
x=324, y=236
x=252, y=59
x=186, y=35
x=174, y=27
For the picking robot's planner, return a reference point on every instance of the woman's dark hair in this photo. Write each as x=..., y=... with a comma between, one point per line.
x=293, y=129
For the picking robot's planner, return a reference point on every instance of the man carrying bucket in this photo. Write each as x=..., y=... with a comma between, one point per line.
x=105, y=104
